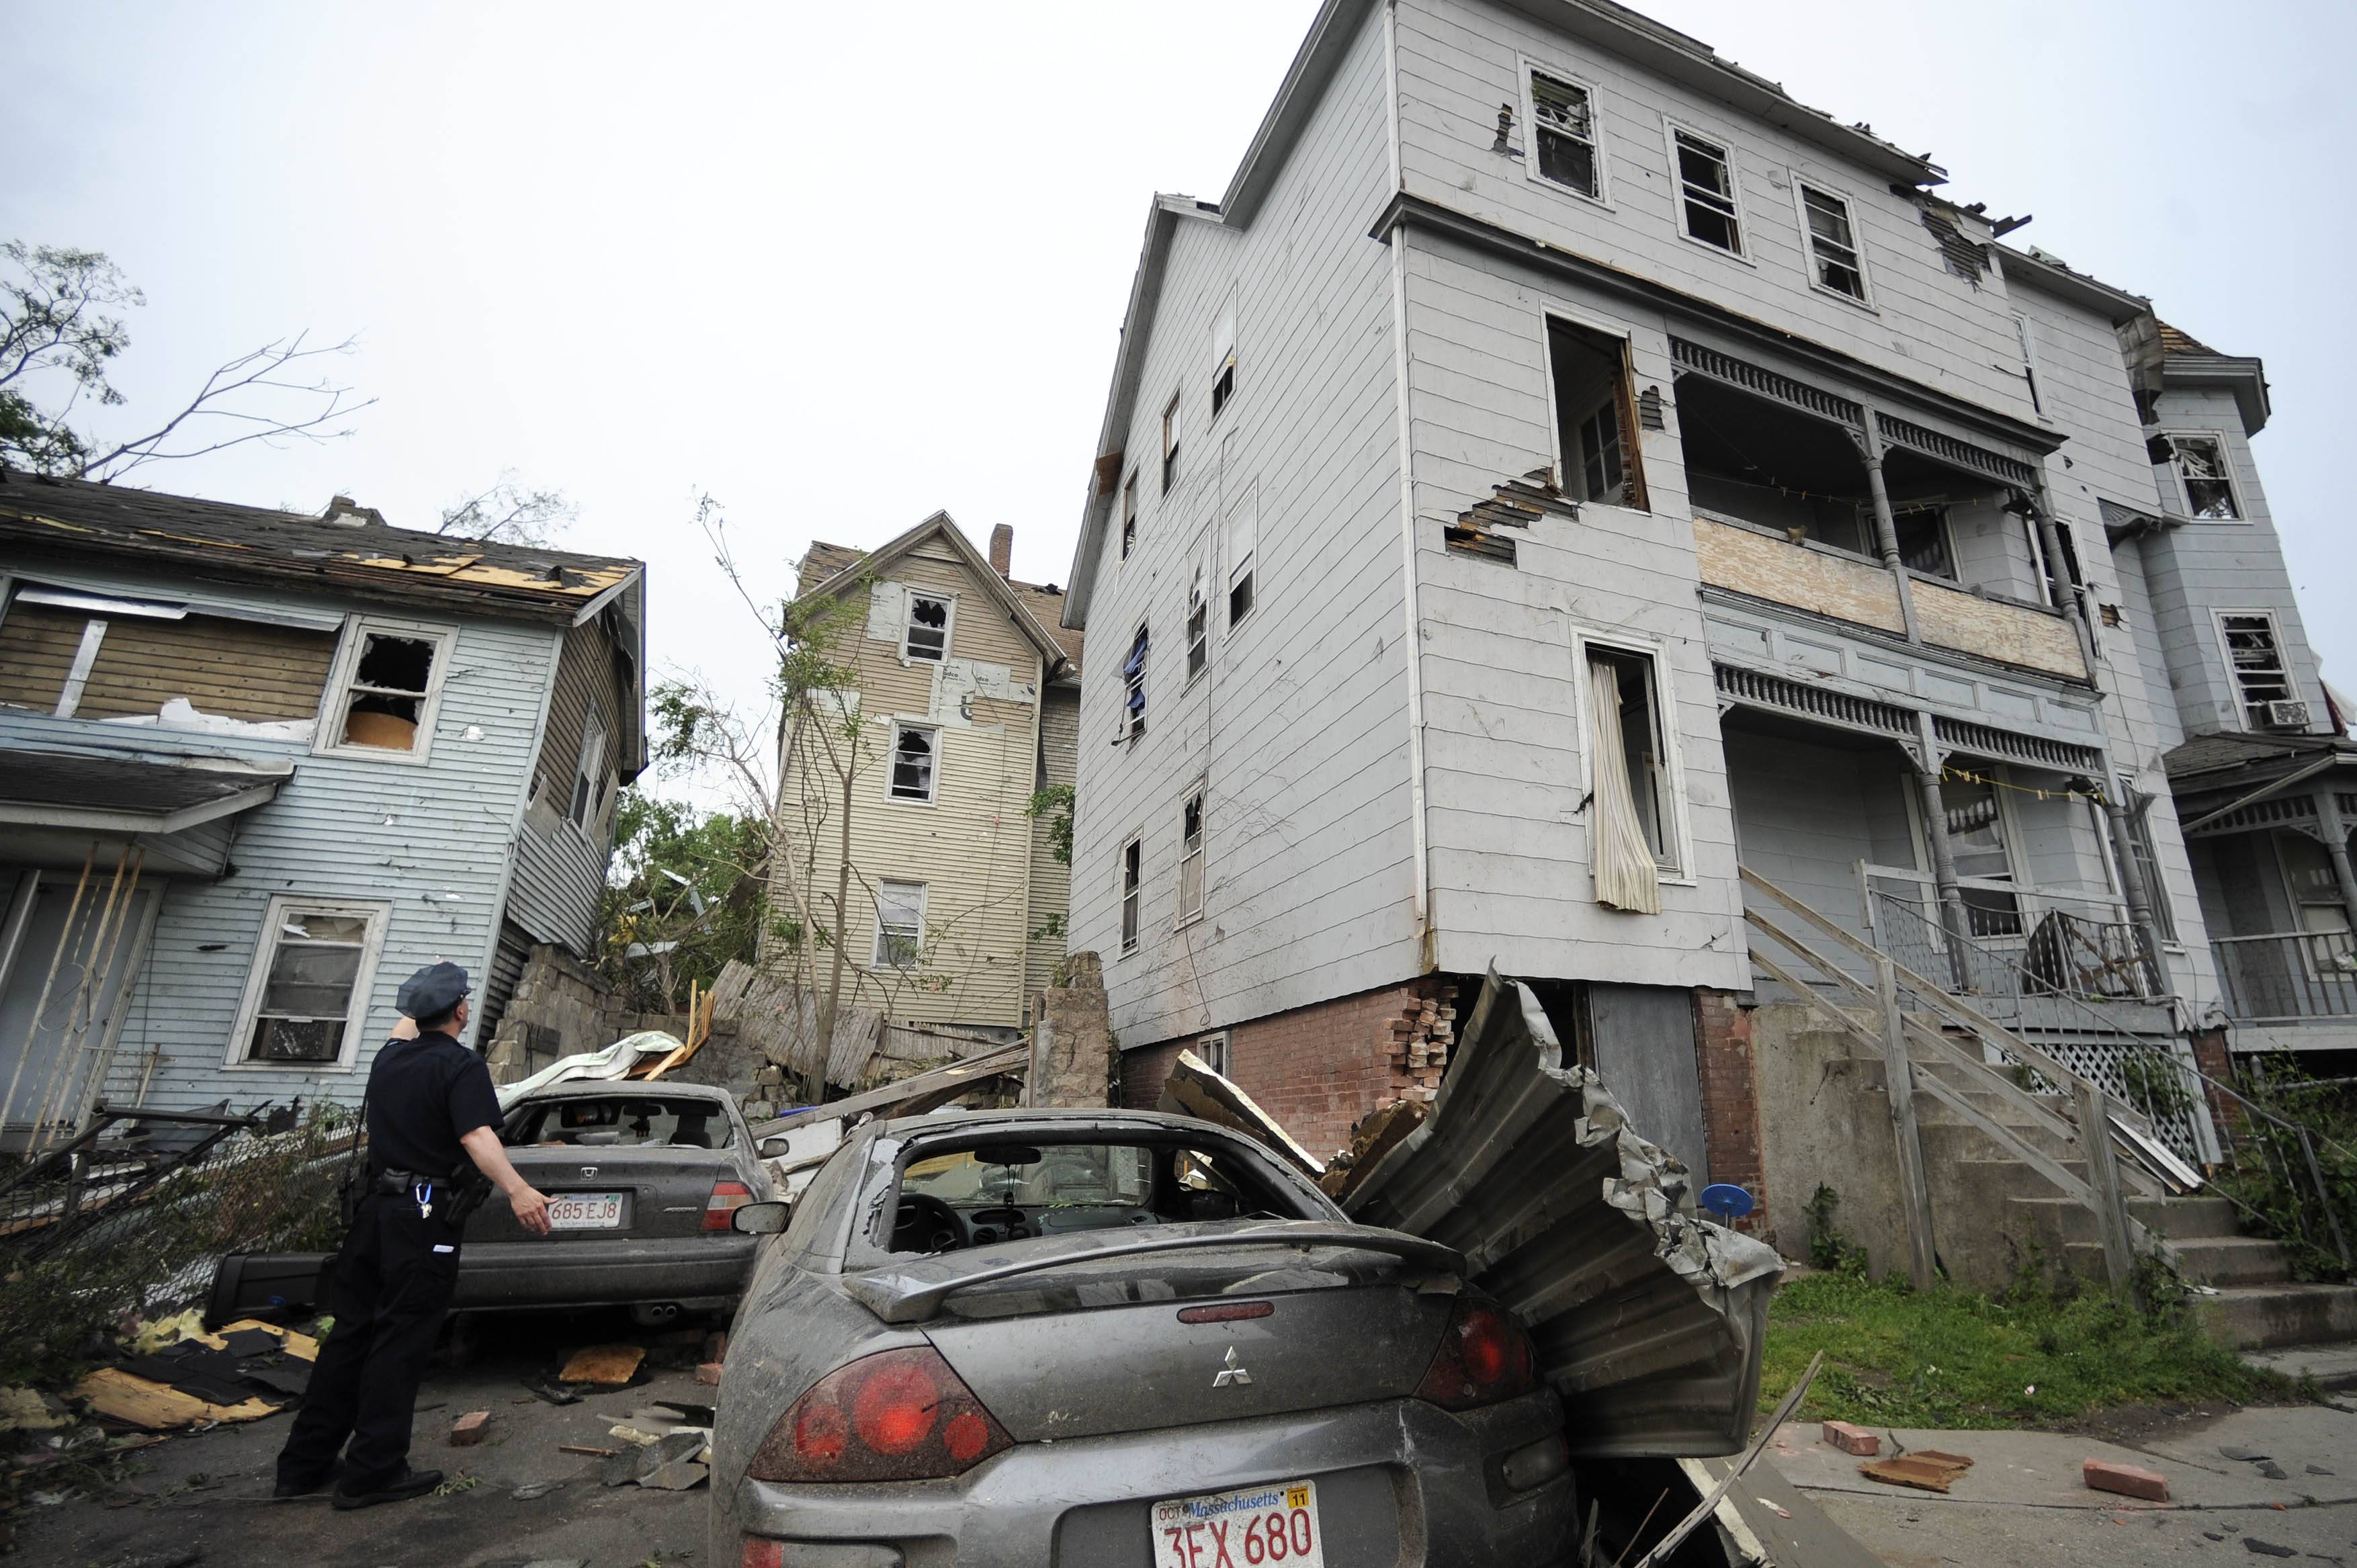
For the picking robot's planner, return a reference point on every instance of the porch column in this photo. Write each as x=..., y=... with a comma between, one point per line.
x=2058, y=579
x=1943, y=854
x=2336, y=845
x=1885, y=523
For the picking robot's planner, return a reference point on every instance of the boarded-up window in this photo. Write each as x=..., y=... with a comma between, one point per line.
x=124, y=658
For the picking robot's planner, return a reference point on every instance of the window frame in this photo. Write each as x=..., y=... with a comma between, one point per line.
x=2243, y=704
x=876, y=959
x=377, y=912
x=1672, y=130
x=933, y=733
x=1802, y=186
x=1223, y=366
x=1199, y=622
x=1678, y=814
x=2227, y=475
x=589, y=805
x=1129, y=515
x=1632, y=458
x=2025, y=332
x=1242, y=574
x=1129, y=722
x=908, y=598
x=1529, y=68
x=1129, y=892
x=335, y=704
x=1171, y=431
x=1220, y=1043
x=1197, y=798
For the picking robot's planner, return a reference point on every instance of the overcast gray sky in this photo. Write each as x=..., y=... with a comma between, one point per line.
x=840, y=266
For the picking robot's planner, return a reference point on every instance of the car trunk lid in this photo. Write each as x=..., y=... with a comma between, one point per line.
x=663, y=1190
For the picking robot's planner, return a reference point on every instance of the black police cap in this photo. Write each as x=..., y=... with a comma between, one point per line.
x=432, y=991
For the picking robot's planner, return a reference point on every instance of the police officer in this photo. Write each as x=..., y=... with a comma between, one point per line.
x=431, y=1109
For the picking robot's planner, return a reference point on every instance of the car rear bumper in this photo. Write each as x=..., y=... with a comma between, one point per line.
x=1399, y=1482
x=693, y=1270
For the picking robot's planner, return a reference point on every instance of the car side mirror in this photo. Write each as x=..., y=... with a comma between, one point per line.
x=762, y=1219
x=771, y=1148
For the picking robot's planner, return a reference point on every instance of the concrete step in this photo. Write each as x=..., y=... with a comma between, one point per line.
x=2268, y=1317
x=2182, y=1220
x=2332, y=1367
x=2007, y=1179
x=2221, y=1261
x=1958, y=1140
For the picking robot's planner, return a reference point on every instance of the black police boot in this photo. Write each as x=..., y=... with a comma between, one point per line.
x=287, y=1487
x=410, y=1484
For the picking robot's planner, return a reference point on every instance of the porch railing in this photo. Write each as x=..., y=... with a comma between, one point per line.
x=2021, y=941
x=2288, y=976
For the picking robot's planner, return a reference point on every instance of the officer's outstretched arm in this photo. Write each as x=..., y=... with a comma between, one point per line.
x=482, y=1147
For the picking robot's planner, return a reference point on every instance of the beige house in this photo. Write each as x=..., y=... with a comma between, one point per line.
x=967, y=694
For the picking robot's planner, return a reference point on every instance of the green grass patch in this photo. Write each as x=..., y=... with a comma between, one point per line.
x=1896, y=1357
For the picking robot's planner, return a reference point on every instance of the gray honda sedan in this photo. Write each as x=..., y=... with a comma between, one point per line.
x=1114, y=1337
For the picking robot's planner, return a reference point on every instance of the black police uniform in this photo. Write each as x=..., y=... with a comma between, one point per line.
x=393, y=1276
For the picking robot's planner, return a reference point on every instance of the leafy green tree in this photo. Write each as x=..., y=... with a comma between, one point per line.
x=684, y=897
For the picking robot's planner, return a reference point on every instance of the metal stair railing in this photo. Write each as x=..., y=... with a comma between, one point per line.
x=2102, y=1189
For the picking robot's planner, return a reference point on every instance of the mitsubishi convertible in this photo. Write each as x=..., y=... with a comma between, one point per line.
x=1025, y=1338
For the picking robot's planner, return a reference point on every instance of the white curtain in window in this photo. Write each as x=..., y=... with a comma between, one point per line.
x=1626, y=876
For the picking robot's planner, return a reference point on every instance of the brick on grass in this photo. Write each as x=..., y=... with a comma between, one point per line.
x=2127, y=1480
x=469, y=1429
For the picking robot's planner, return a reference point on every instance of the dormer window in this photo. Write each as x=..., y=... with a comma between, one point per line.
x=927, y=636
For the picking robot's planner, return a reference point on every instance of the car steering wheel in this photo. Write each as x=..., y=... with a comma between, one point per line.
x=923, y=1223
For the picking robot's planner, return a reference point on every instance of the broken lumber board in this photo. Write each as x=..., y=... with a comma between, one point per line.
x=609, y=1364
x=591, y=1449
x=1926, y=1469
x=1193, y=1088
x=117, y=1395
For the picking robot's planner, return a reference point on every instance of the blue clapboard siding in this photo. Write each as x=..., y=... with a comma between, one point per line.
x=430, y=839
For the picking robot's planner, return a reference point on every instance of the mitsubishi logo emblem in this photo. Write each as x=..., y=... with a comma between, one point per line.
x=1234, y=1372
x=588, y=1173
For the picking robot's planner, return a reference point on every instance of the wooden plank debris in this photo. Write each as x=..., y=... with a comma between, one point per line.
x=1194, y=1089
x=612, y=1365
x=1926, y=1469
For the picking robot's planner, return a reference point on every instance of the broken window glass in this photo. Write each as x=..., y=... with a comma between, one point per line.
x=1976, y=837
x=387, y=697
x=2256, y=657
x=1599, y=447
x=1190, y=857
x=1596, y=416
x=912, y=763
x=1129, y=516
x=1566, y=133
x=1198, y=626
x=899, y=924
x=1133, y=678
x=2209, y=491
x=1243, y=540
x=929, y=627
x=315, y=959
x=1223, y=360
x=1707, y=184
x=1132, y=878
x=1832, y=242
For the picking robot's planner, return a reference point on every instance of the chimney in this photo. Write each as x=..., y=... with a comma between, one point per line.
x=1002, y=548
x=344, y=509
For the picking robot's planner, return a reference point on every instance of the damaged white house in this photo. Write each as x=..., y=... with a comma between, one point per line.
x=1563, y=473
x=257, y=766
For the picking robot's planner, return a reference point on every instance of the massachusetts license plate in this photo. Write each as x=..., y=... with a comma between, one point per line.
x=1245, y=1529
x=586, y=1211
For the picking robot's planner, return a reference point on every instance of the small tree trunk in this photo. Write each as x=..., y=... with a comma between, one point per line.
x=827, y=1014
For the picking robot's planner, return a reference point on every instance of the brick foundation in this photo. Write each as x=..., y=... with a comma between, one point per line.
x=2211, y=1055
x=1730, y=1099
x=1319, y=1069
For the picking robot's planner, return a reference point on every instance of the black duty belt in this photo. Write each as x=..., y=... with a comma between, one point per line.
x=405, y=1182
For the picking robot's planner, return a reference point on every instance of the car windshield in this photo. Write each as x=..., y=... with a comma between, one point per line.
x=606, y=1121
x=1064, y=1174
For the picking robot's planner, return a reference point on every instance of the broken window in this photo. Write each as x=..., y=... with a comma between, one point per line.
x=2200, y=464
x=2027, y=336
x=1191, y=856
x=1129, y=515
x=927, y=636
x=388, y=699
x=590, y=771
x=1169, y=444
x=309, y=981
x=2261, y=679
x=1224, y=359
x=1983, y=857
x=1707, y=191
x=1132, y=879
x=1199, y=624
x=1924, y=541
x=1565, y=123
x=1633, y=838
x=1132, y=722
x=1752, y=460
x=913, y=762
x=1833, y=243
x=1244, y=539
x=899, y=924
x=1596, y=422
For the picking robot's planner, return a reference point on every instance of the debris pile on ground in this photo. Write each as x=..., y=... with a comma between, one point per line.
x=185, y=1377
x=666, y=1448
x=1926, y=1469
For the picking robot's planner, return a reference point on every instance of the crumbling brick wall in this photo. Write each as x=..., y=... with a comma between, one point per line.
x=558, y=1009
x=1319, y=1069
x=1730, y=1099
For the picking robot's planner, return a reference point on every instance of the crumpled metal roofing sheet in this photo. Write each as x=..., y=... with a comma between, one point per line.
x=1648, y=1321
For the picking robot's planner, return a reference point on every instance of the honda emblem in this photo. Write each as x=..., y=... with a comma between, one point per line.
x=588, y=1173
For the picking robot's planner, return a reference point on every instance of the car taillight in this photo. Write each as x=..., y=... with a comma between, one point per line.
x=761, y=1553
x=898, y=1415
x=1484, y=1356
x=728, y=1197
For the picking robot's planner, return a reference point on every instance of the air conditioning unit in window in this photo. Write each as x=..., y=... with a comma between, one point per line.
x=2282, y=714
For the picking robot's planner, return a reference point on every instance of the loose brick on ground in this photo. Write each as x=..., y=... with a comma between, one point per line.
x=2127, y=1480
x=469, y=1429
x=1851, y=1439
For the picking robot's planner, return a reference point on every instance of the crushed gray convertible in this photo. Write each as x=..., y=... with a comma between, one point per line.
x=1117, y=1337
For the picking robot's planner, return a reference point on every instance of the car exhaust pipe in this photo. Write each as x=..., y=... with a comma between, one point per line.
x=654, y=1313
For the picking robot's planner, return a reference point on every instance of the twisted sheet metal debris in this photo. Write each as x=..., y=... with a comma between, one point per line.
x=1648, y=1320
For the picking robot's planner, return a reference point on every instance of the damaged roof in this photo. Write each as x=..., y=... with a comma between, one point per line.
x=1038, y=608
x=69, y=788
x=2190, y=762
x=222, y=541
